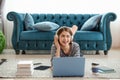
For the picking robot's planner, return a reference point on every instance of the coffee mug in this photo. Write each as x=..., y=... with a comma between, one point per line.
x=94, y=69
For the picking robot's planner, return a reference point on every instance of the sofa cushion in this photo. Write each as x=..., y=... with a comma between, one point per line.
x=88, y=35
x=37, y=35
x=49, y=35
x=46, y=26
x=91, y=23
x=29, y=22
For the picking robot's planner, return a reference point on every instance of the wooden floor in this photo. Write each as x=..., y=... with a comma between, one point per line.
x=113, y=54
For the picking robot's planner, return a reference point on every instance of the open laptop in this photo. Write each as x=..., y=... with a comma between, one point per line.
x=68, y=66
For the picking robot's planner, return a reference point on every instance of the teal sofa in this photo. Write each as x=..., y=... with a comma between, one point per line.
x=96, y=39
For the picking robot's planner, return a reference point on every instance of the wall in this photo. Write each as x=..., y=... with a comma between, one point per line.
x=115, y=31
x=64, y=6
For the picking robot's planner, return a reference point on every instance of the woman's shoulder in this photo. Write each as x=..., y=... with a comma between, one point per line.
x=75, y=44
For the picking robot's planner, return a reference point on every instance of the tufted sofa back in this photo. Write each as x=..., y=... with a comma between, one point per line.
x=63, y=19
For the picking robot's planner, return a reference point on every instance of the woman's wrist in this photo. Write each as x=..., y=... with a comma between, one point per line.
x=57, y=53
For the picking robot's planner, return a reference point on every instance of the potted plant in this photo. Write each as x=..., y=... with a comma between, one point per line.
x=2, y=42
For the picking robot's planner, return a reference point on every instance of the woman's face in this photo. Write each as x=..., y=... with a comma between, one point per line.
x=64, y=38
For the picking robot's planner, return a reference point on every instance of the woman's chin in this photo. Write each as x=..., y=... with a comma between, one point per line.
x=64, y=45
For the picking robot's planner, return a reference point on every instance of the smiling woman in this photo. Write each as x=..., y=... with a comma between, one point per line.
x=63, y=43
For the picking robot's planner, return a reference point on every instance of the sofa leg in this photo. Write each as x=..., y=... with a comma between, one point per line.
x=97, y=52
x=23, y=51
x=17, y=52
x=105, y=52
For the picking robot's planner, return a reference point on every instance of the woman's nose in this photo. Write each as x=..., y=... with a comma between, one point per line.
x=65, y=38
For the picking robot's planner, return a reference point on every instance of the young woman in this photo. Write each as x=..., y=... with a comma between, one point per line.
x=63, y=43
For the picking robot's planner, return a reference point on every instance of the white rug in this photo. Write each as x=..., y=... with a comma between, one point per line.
x=9, y=68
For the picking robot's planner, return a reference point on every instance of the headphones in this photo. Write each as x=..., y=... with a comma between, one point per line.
x=61, y=28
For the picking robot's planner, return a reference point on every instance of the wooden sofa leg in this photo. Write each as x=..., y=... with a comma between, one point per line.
x=17, y=52
x=23, y=51
x=97, y=52
x=105, y=52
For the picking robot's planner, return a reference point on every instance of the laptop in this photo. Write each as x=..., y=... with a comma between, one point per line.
x=68, y=66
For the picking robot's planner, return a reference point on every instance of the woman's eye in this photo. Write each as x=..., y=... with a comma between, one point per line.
x=68, y=36
x=63, y=36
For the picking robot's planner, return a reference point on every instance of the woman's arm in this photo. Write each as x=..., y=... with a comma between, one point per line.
x=57, y=53
x=76, y=50
x=74, y=29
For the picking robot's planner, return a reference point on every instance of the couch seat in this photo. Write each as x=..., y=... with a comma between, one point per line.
x=49, y=35
x=88, y=35
x=37, y=35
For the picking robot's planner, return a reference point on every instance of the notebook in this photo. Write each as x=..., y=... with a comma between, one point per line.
x=68, y=66
x=105, y=69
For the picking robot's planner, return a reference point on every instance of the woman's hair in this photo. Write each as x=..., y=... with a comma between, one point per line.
x=67, y=29
x=64, y=28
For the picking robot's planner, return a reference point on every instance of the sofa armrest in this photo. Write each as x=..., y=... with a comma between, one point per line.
x=105, y=27
x=17, y=26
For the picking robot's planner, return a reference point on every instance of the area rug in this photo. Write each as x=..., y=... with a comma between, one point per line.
x=42, y=68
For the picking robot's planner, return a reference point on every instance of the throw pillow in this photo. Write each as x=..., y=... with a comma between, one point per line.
x=29, y=22
x=46, y=26
x=91, y=23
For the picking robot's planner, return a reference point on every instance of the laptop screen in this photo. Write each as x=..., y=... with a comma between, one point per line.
x=68, y=66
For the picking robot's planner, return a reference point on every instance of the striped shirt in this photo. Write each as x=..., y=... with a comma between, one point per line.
x=74, y=52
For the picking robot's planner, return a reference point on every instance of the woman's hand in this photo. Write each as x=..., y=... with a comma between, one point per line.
x=57, y=46
x=56, y=42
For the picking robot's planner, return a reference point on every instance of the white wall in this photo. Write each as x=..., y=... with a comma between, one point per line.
x=64, y=6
